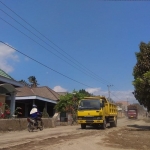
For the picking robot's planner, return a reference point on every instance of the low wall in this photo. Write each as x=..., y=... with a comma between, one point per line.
x=120, y=114
x=21, y=124
x=18, y=124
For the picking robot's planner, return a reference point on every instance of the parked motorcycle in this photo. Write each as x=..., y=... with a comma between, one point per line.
x=33, y=125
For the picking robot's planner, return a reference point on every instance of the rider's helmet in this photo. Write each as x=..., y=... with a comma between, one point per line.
x=34, y=106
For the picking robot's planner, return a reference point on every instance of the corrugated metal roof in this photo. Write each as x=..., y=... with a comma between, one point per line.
x=4, y=74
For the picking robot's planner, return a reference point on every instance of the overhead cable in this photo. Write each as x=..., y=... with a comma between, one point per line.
x=104, y=81
x=48, y=49
x=45, y=65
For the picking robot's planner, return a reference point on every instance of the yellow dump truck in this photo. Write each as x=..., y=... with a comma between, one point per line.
x=96, y=111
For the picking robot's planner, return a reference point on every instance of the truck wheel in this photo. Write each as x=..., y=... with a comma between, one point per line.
x=83, y=126
x=111, y=124
x=104, y=125
x=114, y=124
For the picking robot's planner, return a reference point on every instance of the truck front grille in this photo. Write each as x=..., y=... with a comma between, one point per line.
x=89, y=121
x=88, y=118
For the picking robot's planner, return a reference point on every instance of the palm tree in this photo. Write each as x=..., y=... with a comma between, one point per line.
x=33, y=81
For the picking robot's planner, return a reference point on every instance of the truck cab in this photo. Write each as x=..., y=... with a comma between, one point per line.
x=132, y=112
x=96, y=111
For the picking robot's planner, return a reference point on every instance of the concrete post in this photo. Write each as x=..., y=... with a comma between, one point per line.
x=33, y=102
x=46, y=106
x=12, y=103
x=26, y=110
x=54, y=111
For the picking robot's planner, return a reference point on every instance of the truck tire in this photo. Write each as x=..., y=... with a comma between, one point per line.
x=104, y=125
x=83, y=126
x=114, y=124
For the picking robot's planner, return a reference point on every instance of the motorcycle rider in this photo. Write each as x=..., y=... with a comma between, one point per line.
x=35, y=114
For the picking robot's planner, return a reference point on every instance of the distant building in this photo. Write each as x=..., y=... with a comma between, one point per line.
x=123, y=104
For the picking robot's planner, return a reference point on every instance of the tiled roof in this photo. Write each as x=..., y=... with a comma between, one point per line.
x=4, y=74
x=24, y=91
x=44, y=92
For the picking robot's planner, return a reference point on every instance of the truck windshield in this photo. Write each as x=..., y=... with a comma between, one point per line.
x=89, y=104
x=131, y=111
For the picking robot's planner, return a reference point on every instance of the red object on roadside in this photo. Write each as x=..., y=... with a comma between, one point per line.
x=7, y=111
x=1, y=104
x=2, y=116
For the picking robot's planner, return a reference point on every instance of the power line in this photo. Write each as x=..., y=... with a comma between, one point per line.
x=114, y=95
x=34, y=34
x=47, y=49
x=50, y=41
x=45, y=65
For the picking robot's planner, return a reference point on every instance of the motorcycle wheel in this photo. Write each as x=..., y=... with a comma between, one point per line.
x=41, y=126
x=30, y=129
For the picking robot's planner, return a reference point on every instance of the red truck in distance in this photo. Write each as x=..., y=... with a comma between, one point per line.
x=132, y=112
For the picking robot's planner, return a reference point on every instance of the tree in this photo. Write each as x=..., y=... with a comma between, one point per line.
x=33, y=81
x=69, y=102
x=141, y=73
x=85, y=93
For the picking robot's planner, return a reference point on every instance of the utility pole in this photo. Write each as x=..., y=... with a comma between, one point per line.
x=109, y=90
x=127, y=103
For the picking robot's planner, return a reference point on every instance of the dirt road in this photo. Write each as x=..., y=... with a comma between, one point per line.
x=130, y=134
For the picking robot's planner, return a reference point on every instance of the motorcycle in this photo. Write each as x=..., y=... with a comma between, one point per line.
x=33, y=125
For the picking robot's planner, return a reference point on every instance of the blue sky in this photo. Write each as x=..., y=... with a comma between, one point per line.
x=91, y=42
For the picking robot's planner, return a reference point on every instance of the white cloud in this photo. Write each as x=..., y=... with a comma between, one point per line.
x=94, y=91
x=123, y=95
x=7, y=55
x=115, y=95
x=59, y=89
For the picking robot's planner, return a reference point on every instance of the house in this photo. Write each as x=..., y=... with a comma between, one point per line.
x=16, y=94
x=43, y=97
x=7, y=90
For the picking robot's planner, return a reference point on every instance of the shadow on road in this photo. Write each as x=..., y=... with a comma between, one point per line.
x=93, y=128
x=136, y=127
